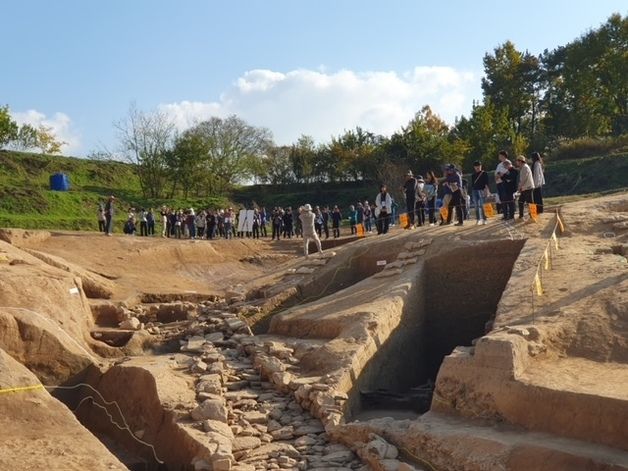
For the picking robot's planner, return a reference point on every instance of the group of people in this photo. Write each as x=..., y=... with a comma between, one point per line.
x=424, y=200
x=520, y=181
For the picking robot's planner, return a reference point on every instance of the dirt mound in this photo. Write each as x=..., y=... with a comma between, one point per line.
x=23, y=238
x=39, y=432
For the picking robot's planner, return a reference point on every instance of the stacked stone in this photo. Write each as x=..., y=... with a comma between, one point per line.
x=411, y=254
x=251, y=424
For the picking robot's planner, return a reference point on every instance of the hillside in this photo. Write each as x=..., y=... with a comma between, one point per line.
x=27, y=202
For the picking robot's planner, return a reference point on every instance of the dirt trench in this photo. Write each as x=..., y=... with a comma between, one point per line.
x=451, y=304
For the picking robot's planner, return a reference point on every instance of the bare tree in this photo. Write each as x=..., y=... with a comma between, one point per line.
x=145, y=140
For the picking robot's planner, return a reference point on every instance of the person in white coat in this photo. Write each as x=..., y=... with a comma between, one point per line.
x=308, y=219
x=383, y=207
x=539, y=181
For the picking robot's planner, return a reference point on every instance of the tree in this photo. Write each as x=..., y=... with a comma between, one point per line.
x=276, y=167
x=185, y=162
x=8, y=127
x=231, y=149
x=510, y=84
x=586, y=83
x=302, y=156
x=44, y=139
x=145, y=140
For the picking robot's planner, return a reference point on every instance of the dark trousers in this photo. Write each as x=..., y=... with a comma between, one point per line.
x=319, y=229
x=410, y=204
x=101, y=226
x=457, y=203
x=383, y=222
x=501, y=192
x=151, y=228
x=109, y=224
x=537, y=197
x=143, y=228
x=276, y=231
x=508, y=208
x=326, y=230
x=263, y=230
x=336, y=231
x=524, y=197
x=431, y=210
x=420, y=212
x=256, y=231
x=200, y=231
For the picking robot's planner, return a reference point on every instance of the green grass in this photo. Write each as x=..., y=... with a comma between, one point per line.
x=27, y=202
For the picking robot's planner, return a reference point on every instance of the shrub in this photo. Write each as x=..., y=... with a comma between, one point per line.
x=589, y=147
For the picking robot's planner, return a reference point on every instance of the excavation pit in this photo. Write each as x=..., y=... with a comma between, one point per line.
x=452, y=303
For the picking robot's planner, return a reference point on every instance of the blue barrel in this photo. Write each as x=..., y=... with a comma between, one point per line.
x=59, y=182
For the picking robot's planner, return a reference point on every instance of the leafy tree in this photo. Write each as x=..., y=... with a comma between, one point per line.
x=145, y=140
x=45, y=140
x=303, y=155
x=511, y=84
x=586, y=83
x=8, y=127
x=230, y=150
x=276, y=166
x=185, y=162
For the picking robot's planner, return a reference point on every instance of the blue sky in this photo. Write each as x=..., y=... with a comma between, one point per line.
x=314, y=67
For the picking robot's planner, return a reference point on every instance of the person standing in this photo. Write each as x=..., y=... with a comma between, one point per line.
x=454, y=182
x=307, y=218
x=383, y=205
x=263, y=219
x=143, y=222
x=420, y=201
x=256, y=224
x=326, y=221
x=353, y=219
x=509, y=180
x=501, y=169
x=431, y=190
x=539, y=180
x=409, y=188
x=479, y=188
x=318, y=221
x=102, y=220
x=277, y=223
x=109, y=212
x=336, y=217
x=360, y=215
x=200, y=222
x=526, y=184
x=368, y=217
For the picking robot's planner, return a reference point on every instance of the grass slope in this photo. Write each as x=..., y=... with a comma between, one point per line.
x=27, y=202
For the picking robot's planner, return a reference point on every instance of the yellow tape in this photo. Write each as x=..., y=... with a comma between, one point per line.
x=488, y=210
x=560, y=223
x=546, y=257
x=537, y=285
x=555, y=239
x=22, y=389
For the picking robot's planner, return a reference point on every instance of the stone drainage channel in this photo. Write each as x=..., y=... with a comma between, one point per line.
x=245, y=415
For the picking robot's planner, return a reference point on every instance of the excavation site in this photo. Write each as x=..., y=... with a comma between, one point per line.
x=499, y=346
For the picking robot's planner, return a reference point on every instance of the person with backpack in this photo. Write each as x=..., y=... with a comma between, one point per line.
x=479, y=189
x=453, y=181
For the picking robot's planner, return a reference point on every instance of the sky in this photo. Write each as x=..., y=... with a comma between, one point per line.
x=314, y=67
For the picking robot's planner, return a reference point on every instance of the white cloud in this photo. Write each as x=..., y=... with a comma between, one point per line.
x=323, y=104
x=60, y=123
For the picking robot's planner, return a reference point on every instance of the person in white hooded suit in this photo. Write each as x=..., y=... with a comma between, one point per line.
x=308, y=218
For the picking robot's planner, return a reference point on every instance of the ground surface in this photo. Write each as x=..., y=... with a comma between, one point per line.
x=571, y=342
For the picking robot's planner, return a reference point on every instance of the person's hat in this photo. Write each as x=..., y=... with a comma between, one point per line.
x=521, y=158
x=307, y=207
x=477, y=163
x=419, y=178
x=409, y=173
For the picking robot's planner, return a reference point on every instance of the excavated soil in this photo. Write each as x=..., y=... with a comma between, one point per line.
x=150, y=343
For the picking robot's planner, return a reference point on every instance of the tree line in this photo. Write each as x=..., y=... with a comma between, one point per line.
x=529, y=103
